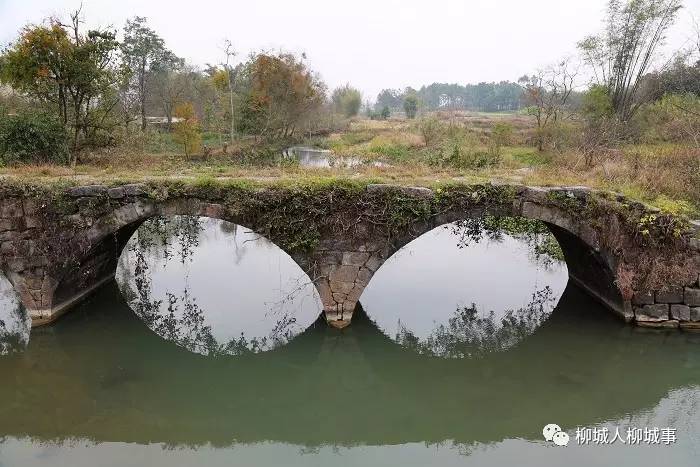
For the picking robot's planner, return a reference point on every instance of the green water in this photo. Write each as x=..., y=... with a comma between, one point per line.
x=100, y=388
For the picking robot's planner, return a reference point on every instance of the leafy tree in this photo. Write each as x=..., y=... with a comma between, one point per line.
x=33, y=138
x=281, y=93
x=386, y=113
x=622, y=55
x=187, y=130
x=347, y=100
x=391, y=98
x=65, y=68
x=410, y=106
x=144, y=53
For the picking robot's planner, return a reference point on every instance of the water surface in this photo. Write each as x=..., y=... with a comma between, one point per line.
x=118, y=381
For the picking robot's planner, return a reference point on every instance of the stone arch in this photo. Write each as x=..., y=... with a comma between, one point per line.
x=590, y=265
x=102, y=244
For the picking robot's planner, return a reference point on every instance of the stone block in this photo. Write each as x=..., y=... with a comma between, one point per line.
x=7, y=224
x=668, y=324
x=680, y=312
x=116, y=193
x=690, y=326
x=32, y=222
x=670, y=295
x=17, y=264
x=695, y=314
x=691, y=297
x=87, y=190
x=330, y=257
x=344, y=274
x=134, y=189
x=364, y=275
x=643, y=298
x=215, y=211
x=11, y=208
x=355, y=258
x=31, y=206
x=657, y=312
x=374, y=263
x=342, y=287
x=536, y=194
x=339, y=297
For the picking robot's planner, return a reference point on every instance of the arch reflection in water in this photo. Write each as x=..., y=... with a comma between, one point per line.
x=468, y=288
x=215, y=288
x=15, y=324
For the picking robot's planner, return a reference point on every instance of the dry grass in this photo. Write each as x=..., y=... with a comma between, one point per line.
x=661, y=174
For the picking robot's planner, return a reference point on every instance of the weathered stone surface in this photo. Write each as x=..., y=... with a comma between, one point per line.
x=643, y=298
x=691, y=297
x=680, y=312
x=134, y=189
x=535, y=193
x=411, y=191
x=342, y=287
x=88, y=190
x=11, y=208
x=342, y=262
x=32, y=222
x=215, y=211
x=339, y=297
x=344, y=274
x=374, y=263
x=690, y=326
x=668, y=324
x=364, y=275
x=671, y=295
x=355, y=258
x=695, y=314
x=657, y=312
x=116, y=193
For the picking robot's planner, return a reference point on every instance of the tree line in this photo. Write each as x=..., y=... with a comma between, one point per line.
x=103, y=84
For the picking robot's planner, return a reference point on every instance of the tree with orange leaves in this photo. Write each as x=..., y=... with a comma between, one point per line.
x=282, y=93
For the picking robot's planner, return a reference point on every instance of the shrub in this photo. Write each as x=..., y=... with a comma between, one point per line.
x=430, y=129
x=187, y=131
x=501, y=135
x=597, y=104
x=33, y=138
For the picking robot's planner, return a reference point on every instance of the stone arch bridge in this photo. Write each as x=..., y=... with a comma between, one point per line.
x=58, y=243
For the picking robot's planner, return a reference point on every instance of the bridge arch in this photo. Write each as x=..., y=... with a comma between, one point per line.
x=590, y=265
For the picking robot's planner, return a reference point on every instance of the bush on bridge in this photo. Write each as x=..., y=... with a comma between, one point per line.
x=32, y=138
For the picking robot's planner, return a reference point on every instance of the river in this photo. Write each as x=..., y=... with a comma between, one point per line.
x=210, y=348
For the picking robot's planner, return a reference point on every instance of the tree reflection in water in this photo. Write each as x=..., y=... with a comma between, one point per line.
x=470, y=334
x=543, y=248
x=178, y=317
x=15, y=324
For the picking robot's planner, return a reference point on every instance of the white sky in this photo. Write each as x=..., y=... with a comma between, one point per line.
x=372, y=44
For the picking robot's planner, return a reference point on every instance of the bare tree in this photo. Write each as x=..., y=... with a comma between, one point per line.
x=547, y=94
x=230, y=54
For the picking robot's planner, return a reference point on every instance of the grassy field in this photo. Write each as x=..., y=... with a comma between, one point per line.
x=444, y=147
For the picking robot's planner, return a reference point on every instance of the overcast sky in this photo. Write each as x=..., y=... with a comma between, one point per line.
x=372, y=44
